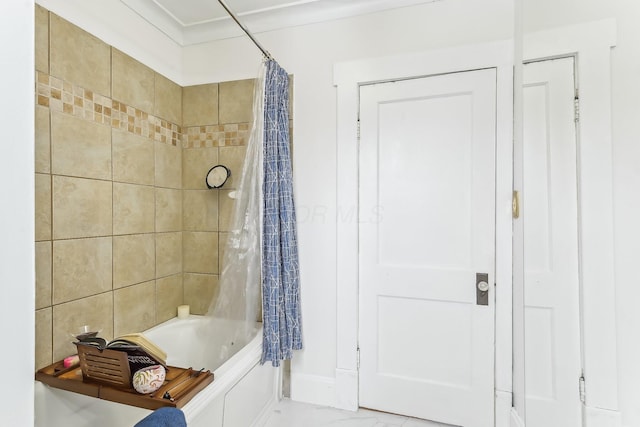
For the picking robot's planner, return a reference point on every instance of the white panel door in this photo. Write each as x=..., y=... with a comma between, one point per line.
x=552, y=326
x=427, y=226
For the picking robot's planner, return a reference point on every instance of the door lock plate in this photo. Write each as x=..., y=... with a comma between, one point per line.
x=482, y=289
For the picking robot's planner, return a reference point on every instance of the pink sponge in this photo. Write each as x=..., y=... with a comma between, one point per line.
x=71, y=361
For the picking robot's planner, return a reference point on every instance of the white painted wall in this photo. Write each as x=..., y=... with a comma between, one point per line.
x=319, y=46
x=16, y=216
x=626, y=204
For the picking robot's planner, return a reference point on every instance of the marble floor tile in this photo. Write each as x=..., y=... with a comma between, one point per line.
x=295, y=414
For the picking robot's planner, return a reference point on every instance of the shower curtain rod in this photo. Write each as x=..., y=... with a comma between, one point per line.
x=253, y=39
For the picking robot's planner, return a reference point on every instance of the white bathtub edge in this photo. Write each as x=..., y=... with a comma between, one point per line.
x=247, y=358
x=262, y=419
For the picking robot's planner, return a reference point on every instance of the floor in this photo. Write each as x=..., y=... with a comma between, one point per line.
x=294, y=414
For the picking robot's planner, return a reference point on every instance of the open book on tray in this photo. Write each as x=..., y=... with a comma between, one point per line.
x=141, y=352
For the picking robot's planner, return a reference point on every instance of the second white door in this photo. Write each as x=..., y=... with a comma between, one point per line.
x=550, y=206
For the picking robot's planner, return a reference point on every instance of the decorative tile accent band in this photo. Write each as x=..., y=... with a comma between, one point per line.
x=216, y=135
x=63, y=96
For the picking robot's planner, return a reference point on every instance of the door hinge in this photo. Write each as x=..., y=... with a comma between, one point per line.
x=358, y=128
x=358, y=357
x=576, y=107
x=582, y=389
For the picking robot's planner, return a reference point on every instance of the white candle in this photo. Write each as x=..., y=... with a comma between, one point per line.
x=183, y=311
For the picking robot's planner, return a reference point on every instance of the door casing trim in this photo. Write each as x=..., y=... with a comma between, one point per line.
x=591, y=43
x=348, y=77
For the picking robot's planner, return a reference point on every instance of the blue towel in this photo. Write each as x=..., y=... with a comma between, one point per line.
x=163, y=417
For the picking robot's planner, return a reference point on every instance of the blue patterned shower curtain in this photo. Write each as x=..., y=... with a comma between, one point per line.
x=280, y=273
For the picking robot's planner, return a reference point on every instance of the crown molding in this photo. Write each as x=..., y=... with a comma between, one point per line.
x=219, y=26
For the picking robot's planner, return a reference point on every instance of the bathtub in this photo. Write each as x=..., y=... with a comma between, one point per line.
x=241, y=395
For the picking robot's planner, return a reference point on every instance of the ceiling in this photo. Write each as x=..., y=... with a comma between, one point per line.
x=195, y=21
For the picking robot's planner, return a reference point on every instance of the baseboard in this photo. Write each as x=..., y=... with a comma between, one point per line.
x=503, y=408
x=276, y=397
x=347, y=389
x=516, y=421
x=313, y=389
x=593, y=417
x=597, y=417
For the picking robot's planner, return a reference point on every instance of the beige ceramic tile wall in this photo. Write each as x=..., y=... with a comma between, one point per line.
x=108, y=190
x=78, y=57
x=234, y=116
x=216, y=128
x=126, y=228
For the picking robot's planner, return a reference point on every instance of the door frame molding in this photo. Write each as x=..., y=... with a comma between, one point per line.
x=591, y=43
x=348, y=77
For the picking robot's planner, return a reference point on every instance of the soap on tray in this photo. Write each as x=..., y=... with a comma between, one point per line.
x=149, y=379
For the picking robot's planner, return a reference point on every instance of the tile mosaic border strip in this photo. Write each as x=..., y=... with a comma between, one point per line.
x=216, y=135
x=63, y=96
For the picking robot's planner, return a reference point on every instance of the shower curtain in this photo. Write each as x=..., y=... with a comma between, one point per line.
x=261, y=255
x=238, y=301
x=280, y=272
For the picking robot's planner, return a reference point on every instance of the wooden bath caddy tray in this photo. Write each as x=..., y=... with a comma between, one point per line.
x=180, y=383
